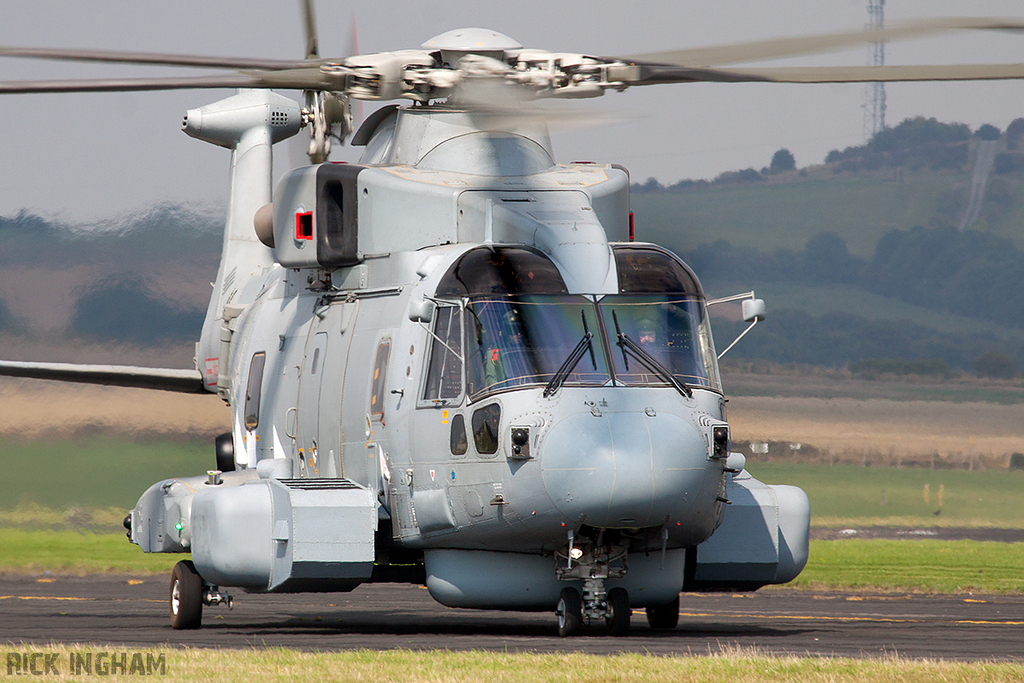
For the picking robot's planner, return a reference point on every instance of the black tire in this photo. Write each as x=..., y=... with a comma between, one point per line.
x=569, y=612
x=224, y=447
x=186, y=599
x=617, y=617
x=664, y=617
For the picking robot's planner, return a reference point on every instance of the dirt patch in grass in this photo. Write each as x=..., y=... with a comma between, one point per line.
x=36, y=409
x=879, y=432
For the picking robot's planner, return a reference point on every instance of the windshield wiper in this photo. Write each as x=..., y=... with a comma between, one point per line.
x=641, y=354
x=574, y=358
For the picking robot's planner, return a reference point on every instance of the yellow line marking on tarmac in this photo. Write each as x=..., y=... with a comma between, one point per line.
x=887, y=620
x=76, y=599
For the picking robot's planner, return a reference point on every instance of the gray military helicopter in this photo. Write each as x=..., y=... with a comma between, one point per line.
x=450, y=363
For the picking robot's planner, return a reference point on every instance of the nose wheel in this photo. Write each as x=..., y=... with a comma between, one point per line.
x=617, y=613
x=592, y=562
x=569, y=612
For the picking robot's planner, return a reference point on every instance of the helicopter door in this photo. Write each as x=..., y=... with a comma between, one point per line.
x=309, y=406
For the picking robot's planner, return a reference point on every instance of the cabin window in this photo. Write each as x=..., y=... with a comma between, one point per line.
x=485, y=429
x=459, y=441
x=444, y=373
x=253, y=389
x=380, y=371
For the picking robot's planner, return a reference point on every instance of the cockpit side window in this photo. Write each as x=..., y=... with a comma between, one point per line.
x=380, y=371
x=444, y=373
x=253, y=390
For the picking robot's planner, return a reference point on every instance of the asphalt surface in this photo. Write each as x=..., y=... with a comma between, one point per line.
x=132, y=612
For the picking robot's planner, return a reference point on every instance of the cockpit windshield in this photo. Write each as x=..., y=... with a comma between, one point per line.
x=507, y=308
x=671, y=329
x=514, y=341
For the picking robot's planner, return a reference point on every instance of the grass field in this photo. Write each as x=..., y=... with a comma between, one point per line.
x=882, y=430
x=90, y=484
x=854, y=564
x=913, y=566
x=849, y=495
x=72, y=552
x=735, y=665
x=93, y=473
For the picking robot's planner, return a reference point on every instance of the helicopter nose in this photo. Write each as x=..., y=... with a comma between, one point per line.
x=624, y=469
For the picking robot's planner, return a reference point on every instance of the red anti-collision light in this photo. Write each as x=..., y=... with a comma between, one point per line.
x=304, y=226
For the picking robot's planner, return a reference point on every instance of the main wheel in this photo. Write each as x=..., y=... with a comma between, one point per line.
x=186, y=596
x=569, y=612
x=664, y=617
x=617, y=617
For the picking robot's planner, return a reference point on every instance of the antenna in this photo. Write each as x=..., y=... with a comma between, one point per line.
x=874, y=93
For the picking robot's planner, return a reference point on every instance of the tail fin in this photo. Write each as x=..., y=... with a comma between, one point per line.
x=248, y=123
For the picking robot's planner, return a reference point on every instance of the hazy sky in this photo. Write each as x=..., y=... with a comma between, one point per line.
x=92, y=156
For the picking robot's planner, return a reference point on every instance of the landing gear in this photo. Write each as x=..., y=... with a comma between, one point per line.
x=617, y=614
x=664, y=617
x=569, y=613
x=592, y=562
x=186, y=596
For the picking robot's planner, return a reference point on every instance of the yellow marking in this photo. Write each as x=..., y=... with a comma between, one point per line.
x=41, y=597
x=969, y=600
x=45, y=580
x=876, y=598
x=76, y=599
x=881, y=620
x=134, y=582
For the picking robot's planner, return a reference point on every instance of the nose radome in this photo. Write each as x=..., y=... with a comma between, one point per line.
x=623, y=469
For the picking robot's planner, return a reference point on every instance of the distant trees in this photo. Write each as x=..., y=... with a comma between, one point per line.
x=122, y=308
x=915, y=143
x=995, y=365
x=783, y=160
x=1013, y=133
x=987, y=131
x=8, y=323
x=973, y=274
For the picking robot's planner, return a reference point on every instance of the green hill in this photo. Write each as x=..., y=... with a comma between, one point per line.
x=874, y=252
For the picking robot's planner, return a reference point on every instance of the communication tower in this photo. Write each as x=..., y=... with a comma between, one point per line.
x=874, y=93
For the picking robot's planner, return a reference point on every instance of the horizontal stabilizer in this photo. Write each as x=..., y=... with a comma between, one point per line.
x=166, y=379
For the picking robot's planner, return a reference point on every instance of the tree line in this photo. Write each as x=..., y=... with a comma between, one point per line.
x=971, y=274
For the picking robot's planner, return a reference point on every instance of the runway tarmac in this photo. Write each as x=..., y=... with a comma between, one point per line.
x=132, y=612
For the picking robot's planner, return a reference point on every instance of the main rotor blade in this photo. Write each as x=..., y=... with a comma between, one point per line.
x=652, y=74
x=816, y=44
x=152, y=58
x=298, y=79
x=870, y=74
x=312, y=44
